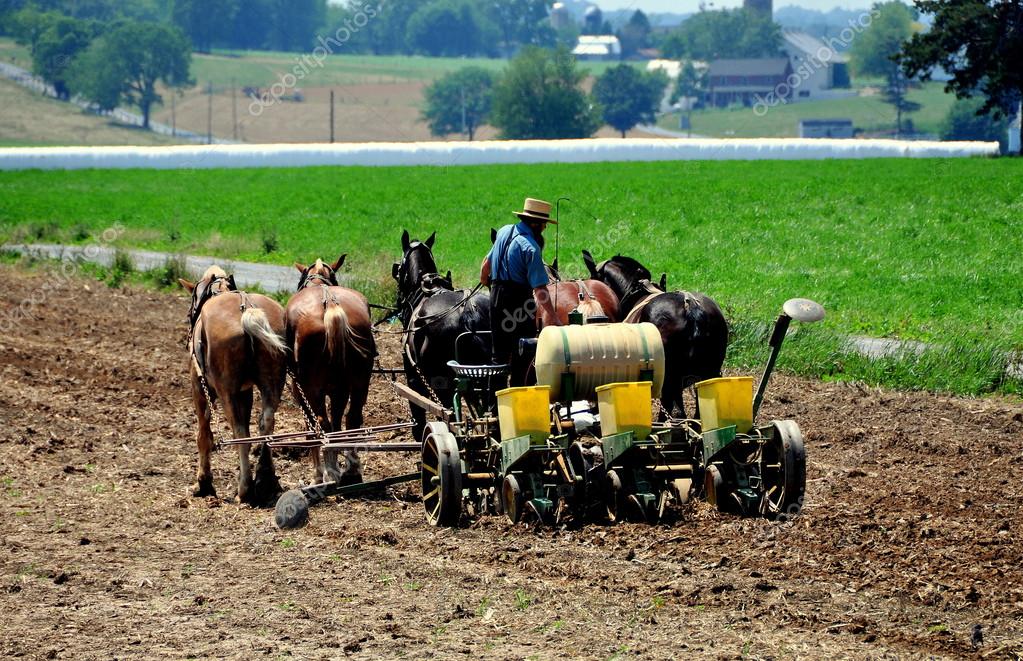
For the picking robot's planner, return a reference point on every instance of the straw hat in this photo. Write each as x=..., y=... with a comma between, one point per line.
x=536, y=210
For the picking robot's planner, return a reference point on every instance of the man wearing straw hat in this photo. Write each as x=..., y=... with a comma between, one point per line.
x=515, y=272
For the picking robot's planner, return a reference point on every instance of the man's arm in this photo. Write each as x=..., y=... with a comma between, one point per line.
x=485, y=271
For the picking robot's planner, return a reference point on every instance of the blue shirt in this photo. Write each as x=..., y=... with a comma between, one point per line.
x=516, y=257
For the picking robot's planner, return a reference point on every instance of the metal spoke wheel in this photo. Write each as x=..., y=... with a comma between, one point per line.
x=613, y=496
x=441, y=476
x=783, y=472
x=512, y=499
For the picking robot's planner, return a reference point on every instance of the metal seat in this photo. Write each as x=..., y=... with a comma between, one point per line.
x=478, y=371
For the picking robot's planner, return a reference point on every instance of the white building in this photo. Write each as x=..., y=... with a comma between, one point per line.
x=820, y=68
x=598, y=47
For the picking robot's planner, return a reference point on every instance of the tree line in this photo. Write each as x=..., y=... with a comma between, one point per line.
x=540, y=96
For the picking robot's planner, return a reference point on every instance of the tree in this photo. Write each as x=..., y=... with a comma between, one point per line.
x=126, y=64
x=205, y=21
x=459, y=102
x=635, y=34
x=539, y=97
x=872, y=51
x=725, y=33
x=295, y=23
x=521, y=22
x=689, y=89
x=55, y=49
x=628, y=96
x=252, y=25
x=966, y=120
x=450, y=28
x=979, y=43
x=876, y=52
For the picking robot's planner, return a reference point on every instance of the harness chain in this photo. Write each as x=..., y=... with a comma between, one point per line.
x=312, y=422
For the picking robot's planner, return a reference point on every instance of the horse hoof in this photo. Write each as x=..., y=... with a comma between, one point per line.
x=350, y=478
x=292, y=510
x=203, y=489
x=266, y=490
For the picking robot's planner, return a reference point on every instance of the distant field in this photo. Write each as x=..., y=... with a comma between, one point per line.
x=869, y=113
x=28, y=119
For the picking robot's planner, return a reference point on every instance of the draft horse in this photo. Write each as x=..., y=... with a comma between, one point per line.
x=692, y=326
x=235, y=344
x=331, y=351
x=433, y=314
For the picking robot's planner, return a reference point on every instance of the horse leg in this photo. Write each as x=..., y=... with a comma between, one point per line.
x=238, y=408
x=203, y=439
x=267, y=485
x=354, y=420
x=317, y=400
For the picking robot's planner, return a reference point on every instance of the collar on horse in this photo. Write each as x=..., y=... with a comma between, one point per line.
x=639, y=288
x=207, y=292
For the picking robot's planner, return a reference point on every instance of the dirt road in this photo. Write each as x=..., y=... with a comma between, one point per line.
x=911, y=534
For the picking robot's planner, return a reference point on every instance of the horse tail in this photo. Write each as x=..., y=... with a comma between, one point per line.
x=338, y=330
x=257, y=327
x=589, y=306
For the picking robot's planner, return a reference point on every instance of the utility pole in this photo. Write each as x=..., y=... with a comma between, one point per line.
x=461, y=91
x=209, y=115
x=331, y=116
x=234, y=112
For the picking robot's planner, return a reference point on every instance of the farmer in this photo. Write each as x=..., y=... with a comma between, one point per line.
x=514, y=271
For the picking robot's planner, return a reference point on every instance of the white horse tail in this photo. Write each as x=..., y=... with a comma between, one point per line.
x=588, y=306
x=257, y=327
x=337, y=329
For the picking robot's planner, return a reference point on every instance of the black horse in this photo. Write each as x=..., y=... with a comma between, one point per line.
x=692, y=326
x=434, y=314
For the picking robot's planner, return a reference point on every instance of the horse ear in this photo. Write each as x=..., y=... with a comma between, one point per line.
x=189, y=286
x=663, y=283
x=394, y=270
x=230, y=283
x=590, y=264
x=493, y=236
x=449, y=276
x=337, y=265
x=300, y=267
x=554, y=264
x=429, y=241
x=405, y=242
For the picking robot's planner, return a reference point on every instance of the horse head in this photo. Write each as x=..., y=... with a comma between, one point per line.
x=214, y=281
x=416, y=262
x=620, y=273
x=318, y=272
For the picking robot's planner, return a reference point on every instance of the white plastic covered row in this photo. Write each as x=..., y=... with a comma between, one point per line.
x=476, y=153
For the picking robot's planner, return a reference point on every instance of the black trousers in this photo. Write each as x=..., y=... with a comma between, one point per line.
x=512, y=317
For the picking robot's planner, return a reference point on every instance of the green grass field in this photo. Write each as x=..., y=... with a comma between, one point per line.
x=869, y=113
x=913, y=249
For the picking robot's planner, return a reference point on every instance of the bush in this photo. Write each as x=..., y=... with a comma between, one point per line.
x=963, y=123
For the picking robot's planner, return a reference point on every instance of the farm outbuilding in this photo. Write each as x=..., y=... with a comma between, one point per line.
x=744, y=81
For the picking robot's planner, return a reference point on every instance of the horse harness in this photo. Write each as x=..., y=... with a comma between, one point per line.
x=651, y=292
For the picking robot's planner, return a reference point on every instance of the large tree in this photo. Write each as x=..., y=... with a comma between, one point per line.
x=450, y=28
x=205, y=21
x=459, y=101
x=725, y=33
x=521, y=22
x=295, y=23
x=126, y=64
x=635, y=34
x=539, y=98
x=56, y=47
x=628, y=96
x=877, y=50
x=978, y=42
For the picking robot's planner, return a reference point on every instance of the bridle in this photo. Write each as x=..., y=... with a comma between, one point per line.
x=204, y=292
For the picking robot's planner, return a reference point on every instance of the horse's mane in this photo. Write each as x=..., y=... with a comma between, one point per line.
x=630, y=265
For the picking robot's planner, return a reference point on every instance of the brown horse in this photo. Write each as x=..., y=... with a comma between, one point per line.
x=332, y=350
x=236, y=343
